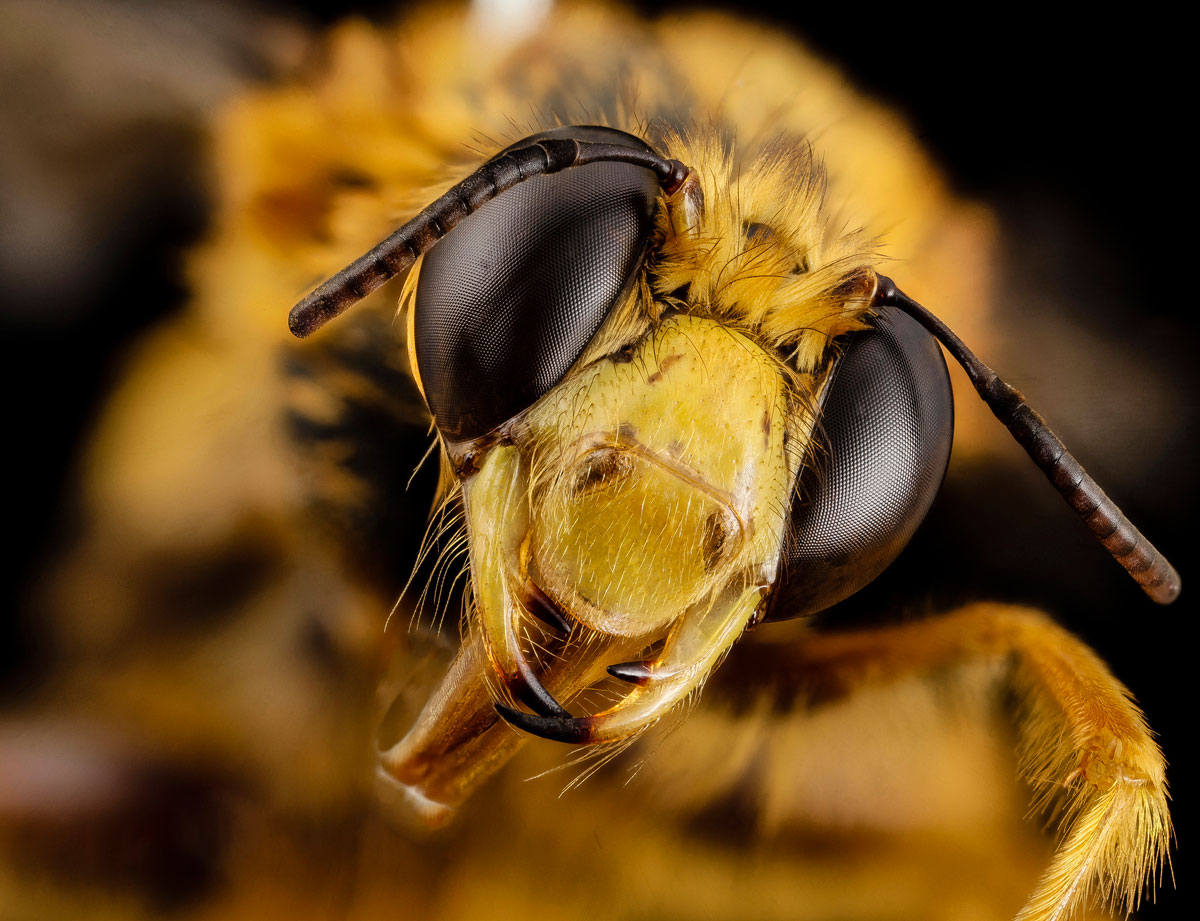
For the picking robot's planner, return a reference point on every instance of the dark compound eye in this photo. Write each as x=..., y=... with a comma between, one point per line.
x=509, y=299
x=888, y=419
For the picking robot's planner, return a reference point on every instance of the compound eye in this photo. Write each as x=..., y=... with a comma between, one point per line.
x=888, y=419
x=510, y=298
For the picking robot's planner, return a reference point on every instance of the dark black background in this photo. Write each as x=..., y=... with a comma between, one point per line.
x=1070, y=127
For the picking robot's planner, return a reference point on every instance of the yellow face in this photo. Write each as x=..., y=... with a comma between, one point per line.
x=664, y=468
x=646, y=495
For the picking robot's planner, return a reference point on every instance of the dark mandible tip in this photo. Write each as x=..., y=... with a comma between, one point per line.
x=572, y=731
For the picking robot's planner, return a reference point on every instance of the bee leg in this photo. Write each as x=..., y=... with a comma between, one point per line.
x=692, y=650
x=1085, y=747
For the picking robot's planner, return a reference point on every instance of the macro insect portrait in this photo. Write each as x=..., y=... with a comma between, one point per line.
x=626, y=520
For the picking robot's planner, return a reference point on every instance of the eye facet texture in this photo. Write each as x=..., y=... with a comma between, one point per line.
x=509, y=299
x=888, y=420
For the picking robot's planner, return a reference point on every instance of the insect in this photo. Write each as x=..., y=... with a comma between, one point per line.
x=673, y=402
x=249, y=530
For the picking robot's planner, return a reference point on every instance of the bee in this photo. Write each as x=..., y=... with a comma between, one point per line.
x=672, y=437
x=674, y=400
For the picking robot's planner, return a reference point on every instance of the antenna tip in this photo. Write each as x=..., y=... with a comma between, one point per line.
x=1167, y=590
x=307, y=317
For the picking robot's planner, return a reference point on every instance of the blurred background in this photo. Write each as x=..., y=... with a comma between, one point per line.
x=1067, y=128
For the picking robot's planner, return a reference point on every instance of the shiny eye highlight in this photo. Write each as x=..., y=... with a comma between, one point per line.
x=510, y=298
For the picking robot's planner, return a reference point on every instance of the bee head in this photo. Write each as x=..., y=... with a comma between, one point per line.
x=673, y=408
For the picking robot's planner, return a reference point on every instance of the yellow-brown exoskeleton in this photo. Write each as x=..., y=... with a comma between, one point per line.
x=644, y=357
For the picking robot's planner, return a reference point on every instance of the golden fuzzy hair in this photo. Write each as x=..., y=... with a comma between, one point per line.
x=763, y=253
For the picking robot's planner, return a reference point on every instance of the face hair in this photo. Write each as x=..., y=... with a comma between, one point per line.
x=1149, y=568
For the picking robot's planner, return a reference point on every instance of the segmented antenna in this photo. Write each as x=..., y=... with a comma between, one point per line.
x=1128, y=546
x=400, y=250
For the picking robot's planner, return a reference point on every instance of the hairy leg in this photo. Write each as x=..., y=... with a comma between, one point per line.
x=1085, y=747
